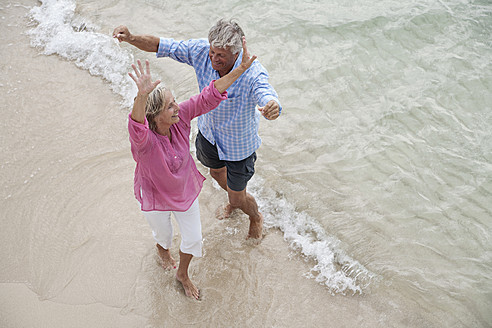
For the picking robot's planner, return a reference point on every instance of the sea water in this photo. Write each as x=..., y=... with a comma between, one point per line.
x=378, y=173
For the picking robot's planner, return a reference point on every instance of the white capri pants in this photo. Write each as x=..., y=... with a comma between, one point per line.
x=189, y=225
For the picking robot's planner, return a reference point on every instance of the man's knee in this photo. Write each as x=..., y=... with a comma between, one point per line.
x=216, y=173
x=237, y=198
x=220, y=175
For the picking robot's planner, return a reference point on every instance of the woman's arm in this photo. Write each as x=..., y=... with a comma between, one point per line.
x=227, y=80
x=145, y=86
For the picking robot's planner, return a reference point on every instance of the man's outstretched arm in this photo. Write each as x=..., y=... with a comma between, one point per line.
x=147, y=43
x=266, y=95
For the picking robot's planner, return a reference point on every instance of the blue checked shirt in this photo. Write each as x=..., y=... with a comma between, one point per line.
x=233, y=125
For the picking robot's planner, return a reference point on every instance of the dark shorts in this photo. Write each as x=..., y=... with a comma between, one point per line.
x=238, y=172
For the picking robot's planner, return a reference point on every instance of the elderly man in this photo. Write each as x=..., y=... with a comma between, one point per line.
x=228, y=138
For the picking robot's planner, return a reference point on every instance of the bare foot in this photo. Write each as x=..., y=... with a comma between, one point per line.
x=190, y=289
x=255, y=228
x=224, y=211
x=168, y=262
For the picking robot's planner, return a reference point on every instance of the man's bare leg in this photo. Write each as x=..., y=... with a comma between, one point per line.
x=247, y=203
x=168, y=262
x=241, y=200
x=220, y=175
x=183, y=278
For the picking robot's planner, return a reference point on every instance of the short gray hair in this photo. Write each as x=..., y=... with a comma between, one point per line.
x=226, y=35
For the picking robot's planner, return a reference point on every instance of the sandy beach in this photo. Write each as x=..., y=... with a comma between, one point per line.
x=374, y=182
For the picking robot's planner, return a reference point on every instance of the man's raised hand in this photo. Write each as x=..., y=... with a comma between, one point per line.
x=122, y=33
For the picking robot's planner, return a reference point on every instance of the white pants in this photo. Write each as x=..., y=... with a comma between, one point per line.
x=189, y=225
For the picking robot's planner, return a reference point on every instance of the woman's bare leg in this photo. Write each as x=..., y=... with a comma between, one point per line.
x=168, y=262
x=182, y=275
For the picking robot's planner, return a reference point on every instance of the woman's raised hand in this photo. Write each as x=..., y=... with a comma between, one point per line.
x=143, y=79
x=247, y=60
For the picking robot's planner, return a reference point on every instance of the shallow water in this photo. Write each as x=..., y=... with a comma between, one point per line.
x=375, y=182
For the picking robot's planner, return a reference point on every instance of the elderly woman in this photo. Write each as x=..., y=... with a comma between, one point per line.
x=166, y=178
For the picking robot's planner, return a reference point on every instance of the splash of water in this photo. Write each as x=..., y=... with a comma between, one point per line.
x=59, y=31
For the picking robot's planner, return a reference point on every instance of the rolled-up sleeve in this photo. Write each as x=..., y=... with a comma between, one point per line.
x=263, y=91
x=139, y=134
x=208, y=99
x=181, y=51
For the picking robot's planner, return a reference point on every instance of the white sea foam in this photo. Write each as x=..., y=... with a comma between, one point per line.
x=334, y=268
x=59, y=31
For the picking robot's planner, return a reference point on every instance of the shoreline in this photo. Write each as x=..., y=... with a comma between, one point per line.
x=83, y=246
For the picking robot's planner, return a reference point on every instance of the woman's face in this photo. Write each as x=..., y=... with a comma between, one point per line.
x=169, y=112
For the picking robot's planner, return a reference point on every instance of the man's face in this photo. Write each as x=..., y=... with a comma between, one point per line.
x=222, y=60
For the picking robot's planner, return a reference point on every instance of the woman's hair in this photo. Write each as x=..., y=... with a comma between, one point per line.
x=153, y=107
x=226, y=35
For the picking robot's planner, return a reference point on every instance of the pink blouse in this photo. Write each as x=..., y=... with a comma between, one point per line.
x=166, y=177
